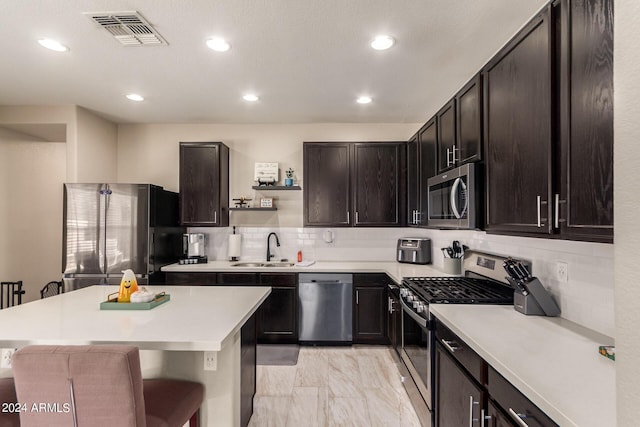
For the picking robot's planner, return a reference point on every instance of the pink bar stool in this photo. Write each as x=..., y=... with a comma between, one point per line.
x=98, y=385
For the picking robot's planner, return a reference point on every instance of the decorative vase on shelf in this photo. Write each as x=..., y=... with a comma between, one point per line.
x=288, y=181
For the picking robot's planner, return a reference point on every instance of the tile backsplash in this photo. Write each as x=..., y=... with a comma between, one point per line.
x=586, y=298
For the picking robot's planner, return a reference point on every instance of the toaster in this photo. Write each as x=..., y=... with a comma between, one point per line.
x=414, y=250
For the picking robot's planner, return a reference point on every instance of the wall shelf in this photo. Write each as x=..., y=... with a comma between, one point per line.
x=276, y=187
x=253, y=209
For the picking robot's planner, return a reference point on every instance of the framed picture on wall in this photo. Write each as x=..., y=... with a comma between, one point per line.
x=266, y=202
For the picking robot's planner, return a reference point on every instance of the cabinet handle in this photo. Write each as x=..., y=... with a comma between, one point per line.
x=448, y=155
x=357, y=293
x=538, y=206
x=357, y=218
x=215, y=217
x=518, y=418
x=557, y=211
x=471, y=403
x=414, y=219
x=451, y=345
x=483, y=418
x=348, y=219
x=390, y=303
x=454, y=155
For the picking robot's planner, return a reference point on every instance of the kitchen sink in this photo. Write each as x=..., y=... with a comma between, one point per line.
x=248, y=264
x=263, y=264
x=278, y=264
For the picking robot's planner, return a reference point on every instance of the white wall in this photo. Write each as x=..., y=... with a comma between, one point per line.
x=97, y=148
x=627, y=207
x=150, y=153
x=31, y=176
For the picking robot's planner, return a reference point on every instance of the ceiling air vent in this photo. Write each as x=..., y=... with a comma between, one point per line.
x=129, y=28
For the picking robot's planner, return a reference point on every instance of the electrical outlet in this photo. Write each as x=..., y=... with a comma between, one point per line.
x=210, y=360
x=562, y=272
x=5, y=357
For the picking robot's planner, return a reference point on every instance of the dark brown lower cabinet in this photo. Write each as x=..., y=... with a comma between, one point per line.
x=278, y=315
x=370, y=308
x=468, y=388
x=247, y=369
x=459, y=397
x=496, y=417
x=514, y=403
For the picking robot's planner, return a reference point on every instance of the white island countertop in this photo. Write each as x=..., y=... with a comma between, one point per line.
x=552, y=361
x=196, y=318
x=395, y=270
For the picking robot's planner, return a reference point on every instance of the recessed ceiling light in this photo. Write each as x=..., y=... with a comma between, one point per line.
x=250, y=97
x=135, y=97
x=382, y=42
x=218, y=44
x=53, y=45
x=364, y=100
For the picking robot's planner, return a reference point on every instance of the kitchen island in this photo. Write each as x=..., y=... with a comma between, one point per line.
x=172, y=337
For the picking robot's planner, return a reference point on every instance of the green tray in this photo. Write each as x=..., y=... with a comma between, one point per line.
x=113, y=304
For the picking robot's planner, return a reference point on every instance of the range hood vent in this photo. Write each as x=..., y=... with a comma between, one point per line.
x=129, y=28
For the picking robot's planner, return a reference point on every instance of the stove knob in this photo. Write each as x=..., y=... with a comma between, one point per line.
x=416, y=303
x=421, y=307
x=411, y=297
x=404, y=292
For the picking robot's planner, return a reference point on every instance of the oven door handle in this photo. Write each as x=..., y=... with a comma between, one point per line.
x=421, y=321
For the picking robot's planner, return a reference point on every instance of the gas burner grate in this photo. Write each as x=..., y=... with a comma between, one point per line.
x=459, y=290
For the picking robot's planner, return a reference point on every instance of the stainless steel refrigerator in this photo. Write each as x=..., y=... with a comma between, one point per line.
x=108, y=228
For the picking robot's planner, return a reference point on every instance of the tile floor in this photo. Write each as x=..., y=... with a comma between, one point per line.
x=333, y=386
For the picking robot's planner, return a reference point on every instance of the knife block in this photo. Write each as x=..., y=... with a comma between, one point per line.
x=526, y=304
x=535, y=300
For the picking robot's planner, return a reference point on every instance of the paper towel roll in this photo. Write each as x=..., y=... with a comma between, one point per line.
x=235, y=245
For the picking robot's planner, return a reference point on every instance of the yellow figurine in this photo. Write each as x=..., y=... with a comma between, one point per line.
x=128, y=285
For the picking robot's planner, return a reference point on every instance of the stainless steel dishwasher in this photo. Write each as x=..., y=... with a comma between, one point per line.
x=325, y=303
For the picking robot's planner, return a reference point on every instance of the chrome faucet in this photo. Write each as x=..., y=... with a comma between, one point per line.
x=269, y=256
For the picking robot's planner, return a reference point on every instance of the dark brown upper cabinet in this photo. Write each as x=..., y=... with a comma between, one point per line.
x=413, y=183
x=204, y=184
x=460, y=127
x=518, y=130
x=584, y=203
x=378, y=183
x=428, y=147
x=469, y=122
x=354, y=184
x=446, y=118
x=327, y=189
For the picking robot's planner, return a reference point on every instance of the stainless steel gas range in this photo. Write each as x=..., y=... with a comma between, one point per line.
x=483, y=283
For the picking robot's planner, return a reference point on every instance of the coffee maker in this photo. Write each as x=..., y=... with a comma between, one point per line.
x=193, y=249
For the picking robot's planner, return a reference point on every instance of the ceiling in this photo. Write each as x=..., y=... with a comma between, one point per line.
x=308, y=60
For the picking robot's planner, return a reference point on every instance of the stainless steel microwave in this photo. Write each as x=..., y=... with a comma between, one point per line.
x=454, y=198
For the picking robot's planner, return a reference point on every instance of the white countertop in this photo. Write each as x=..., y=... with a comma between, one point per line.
x=395, y=270
x=196, y=318
x=552, y=361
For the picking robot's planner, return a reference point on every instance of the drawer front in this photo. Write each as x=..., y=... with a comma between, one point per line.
x=461, y=352
x=514, y=403
x=191, y=279
x=279, y=279
x=250, y=279
x=371, y=279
